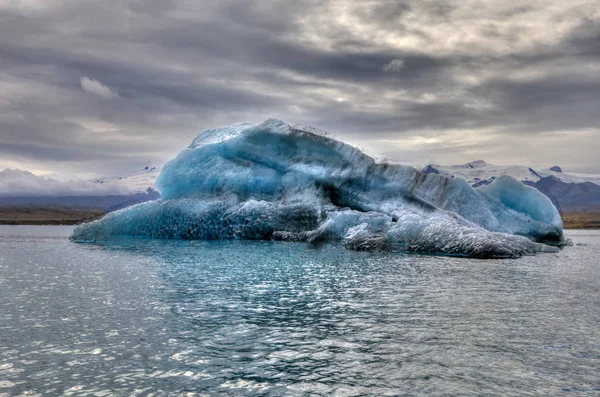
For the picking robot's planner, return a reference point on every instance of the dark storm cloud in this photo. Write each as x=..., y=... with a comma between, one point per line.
x=110, y=85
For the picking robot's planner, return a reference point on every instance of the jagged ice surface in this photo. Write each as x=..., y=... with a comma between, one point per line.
x=273, y=181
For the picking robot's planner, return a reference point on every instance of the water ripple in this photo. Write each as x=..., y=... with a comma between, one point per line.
x=256, y=318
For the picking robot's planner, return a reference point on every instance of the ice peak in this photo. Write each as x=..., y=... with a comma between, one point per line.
x=218, y=135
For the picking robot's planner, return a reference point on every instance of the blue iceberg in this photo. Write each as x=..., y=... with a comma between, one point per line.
x=278, y=182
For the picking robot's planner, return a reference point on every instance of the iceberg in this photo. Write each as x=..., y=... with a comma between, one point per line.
x=274, y=181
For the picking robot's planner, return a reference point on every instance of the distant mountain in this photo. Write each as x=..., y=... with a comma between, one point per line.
x=570, y=192
x=22, y=188
x=570, y=197
x=105, y=203
x=479, y=173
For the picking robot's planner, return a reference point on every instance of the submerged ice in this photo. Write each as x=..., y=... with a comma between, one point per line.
x=274, y=181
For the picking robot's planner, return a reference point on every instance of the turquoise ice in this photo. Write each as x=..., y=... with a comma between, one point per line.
x=275, y=181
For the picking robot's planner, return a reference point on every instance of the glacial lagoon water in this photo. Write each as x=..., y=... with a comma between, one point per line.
x=142, y=317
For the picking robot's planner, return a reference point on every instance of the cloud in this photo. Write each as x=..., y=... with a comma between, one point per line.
x=369, y=72
x=395, y=65
x=19, y=183
x=97, y=88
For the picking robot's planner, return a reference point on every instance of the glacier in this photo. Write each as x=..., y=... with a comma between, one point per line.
x=274, y=181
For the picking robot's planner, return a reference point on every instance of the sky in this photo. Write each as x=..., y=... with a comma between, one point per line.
x=94, y=88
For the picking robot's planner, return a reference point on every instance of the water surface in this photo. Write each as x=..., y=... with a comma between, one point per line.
x=260, y=318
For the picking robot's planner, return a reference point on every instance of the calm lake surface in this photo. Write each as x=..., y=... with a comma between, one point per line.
x=139, y=317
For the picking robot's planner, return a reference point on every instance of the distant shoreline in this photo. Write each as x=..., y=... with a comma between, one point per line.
x=47, y=215
x=56, y=215
x=581, y=220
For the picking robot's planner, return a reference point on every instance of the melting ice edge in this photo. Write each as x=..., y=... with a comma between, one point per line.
x=277, y=182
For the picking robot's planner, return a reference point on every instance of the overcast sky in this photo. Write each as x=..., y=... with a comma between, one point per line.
x=92, y=88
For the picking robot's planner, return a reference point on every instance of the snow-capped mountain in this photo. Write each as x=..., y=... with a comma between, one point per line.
x=23, y=188
x=570, y=192
x=479, y=173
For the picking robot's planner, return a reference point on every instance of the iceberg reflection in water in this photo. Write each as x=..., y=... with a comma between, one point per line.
x=276, y=182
